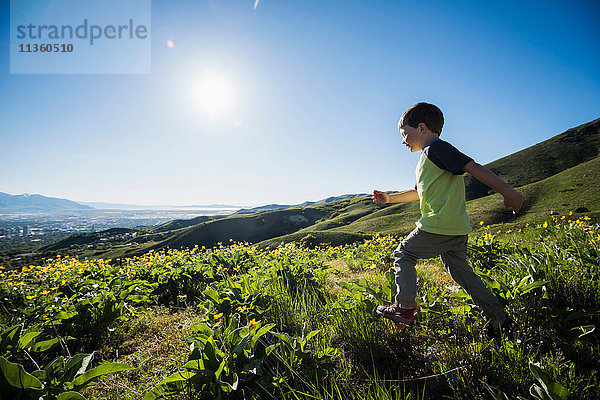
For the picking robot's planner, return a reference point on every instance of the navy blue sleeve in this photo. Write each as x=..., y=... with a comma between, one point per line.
x=447, y=157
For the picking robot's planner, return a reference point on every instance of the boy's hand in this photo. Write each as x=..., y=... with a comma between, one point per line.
x=380, y=197
x=513, y=200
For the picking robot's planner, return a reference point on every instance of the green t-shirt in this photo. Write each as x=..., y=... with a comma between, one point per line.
x=442, y=190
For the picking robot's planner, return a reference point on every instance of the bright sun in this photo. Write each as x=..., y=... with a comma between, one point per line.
x=213, y=94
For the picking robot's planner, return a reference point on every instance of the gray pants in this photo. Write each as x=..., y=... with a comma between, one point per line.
x=453, y=251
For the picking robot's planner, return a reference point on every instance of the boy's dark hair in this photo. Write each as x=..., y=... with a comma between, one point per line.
x=427, y=113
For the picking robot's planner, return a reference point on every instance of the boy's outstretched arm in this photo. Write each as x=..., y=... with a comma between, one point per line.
x=512, y=198
x=383, y=197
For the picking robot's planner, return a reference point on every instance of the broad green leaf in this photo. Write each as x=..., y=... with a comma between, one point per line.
x=27, y=338
x=263, y=330
x=178, y=377
x=389, y=285
x=104, y=369
x=195, y=353
x=64, y=315
x=212, y=295
x=53, y=368
x=44, y=345
x=347, y=286
x=221, y=368
x=255, y=367
x=203, y=328
x=241, y=345
x=284, y=337
x=531, y=286
x=229, y=387
x=76, y=366
x=553, y=390
x=492, y=283
x=70, y=396
x=209, y=354
x=461, y=294
x=10, y=337
x=538, y=393
x=311, y=334
x=194, y=364
x=16, y=376
x=40, y=374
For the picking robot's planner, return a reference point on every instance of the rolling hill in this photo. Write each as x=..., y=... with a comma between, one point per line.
x=542, y=160
x=575, y=190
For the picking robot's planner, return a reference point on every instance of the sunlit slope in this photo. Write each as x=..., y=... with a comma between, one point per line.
x=251, y=228
x=575, y=190
x=540, y=161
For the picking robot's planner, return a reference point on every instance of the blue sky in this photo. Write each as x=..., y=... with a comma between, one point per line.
x=316, y=90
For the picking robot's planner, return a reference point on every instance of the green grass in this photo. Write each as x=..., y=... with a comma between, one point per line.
x=321, y=339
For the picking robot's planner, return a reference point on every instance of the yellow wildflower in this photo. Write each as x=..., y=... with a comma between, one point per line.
x=218, y=316
x=243, y=309
x=252, y=324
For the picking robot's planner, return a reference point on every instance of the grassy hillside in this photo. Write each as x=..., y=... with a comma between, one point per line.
x=574, y=190
x=251, y=228
x=540, y=161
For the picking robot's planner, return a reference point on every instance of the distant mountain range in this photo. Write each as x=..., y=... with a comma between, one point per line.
x=36, y=203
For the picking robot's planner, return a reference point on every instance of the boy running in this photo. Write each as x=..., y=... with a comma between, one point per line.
x=444, y=224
